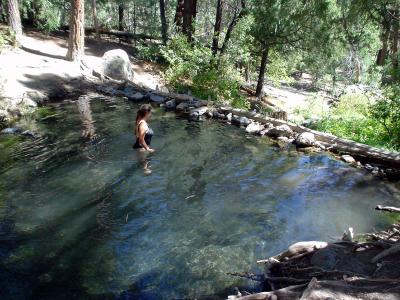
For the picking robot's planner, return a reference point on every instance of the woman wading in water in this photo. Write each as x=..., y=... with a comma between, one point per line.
x=143, y=132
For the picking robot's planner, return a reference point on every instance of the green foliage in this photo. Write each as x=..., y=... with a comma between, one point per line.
x=192, y=66
x=386, y=111
x=7, y=37
x=150, y=52
x=350, y=118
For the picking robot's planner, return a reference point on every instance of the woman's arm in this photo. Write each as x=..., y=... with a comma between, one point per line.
x=142, y=132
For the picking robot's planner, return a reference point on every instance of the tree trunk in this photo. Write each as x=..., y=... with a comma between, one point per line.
x=217, y=27
x=164, y=27
x=384, y=39
x=261, y=75
x=395, y=40
x=120, y=17
x=179, y=15
x=95, y=22
x=231, y=26
x=189, y=16
x=14, y=18
x=76, y=41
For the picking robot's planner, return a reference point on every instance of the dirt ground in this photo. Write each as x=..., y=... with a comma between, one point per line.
x=40, y=65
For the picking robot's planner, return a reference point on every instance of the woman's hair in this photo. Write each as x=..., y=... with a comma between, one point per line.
x=142, y=111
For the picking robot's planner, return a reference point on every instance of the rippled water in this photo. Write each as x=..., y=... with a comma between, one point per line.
x=82, y=218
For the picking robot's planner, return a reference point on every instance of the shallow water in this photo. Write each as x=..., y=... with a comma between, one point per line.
x=82, y=218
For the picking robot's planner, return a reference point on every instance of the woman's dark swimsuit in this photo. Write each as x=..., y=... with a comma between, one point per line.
x=147, y=138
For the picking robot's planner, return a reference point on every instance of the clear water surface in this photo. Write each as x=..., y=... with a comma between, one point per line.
x=83, y=216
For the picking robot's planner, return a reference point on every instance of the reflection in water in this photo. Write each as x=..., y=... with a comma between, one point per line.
x=216, y=201
x=85, y=113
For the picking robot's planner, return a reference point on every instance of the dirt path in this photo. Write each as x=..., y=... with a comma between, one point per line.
x=39, y=66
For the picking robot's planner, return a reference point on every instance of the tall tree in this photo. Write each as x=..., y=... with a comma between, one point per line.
x=217, y=26
x=95, y=21
x=281, y=23
x=240, y=12
x=179, y=15
x=164, y=27
x=76, y=42
x=121, y=16
x=14, y=18
x=189, y=16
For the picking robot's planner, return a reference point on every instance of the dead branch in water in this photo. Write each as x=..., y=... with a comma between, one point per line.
x=388, y=208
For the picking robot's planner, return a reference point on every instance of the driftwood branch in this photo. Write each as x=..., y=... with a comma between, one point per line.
x=388, y=208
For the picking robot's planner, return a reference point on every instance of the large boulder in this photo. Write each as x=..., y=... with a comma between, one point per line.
x=116, y=64
x=305, y=139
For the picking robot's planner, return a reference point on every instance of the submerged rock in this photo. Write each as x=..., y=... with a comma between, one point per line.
x=11, y=130
x=305, y=139
x=254, y=128
x=282, y=130
x=116, y=64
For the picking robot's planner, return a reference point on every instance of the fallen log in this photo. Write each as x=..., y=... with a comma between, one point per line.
x=388, y=208
x=392, y=250
x=361, y=152
x=117, y=33
x=289, y=293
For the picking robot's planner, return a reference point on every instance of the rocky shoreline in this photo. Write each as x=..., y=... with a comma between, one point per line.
x=377, y=161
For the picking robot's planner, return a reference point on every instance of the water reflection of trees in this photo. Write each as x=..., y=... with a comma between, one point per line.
x=85, y=113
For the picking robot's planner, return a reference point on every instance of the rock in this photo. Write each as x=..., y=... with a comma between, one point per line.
x=14, y=112
x=136, y=96
x=229, y=117
x=324, y=258
x=29, y=133
x=197, y=113
x=181, y=106
x=283, y=139
x=36, y=96
x=282, y=130
x=116, y=64
x=157, y=98
x=305, y=139
x=11, y=130
x=218, y=115
x=348, y=235
x=348, y=159
x=254, y=127
x=241, y=121
x=119, y=93
x=170, y=104
x=319, y=145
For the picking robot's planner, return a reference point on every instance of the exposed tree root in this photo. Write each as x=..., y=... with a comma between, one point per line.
x=341, y=270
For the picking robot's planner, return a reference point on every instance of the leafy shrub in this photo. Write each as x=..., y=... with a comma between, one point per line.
x=150, y=52
x=386, y=111
x=351, y=118
x=192, y=66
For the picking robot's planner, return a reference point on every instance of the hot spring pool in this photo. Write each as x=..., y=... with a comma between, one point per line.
x=81, y=218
